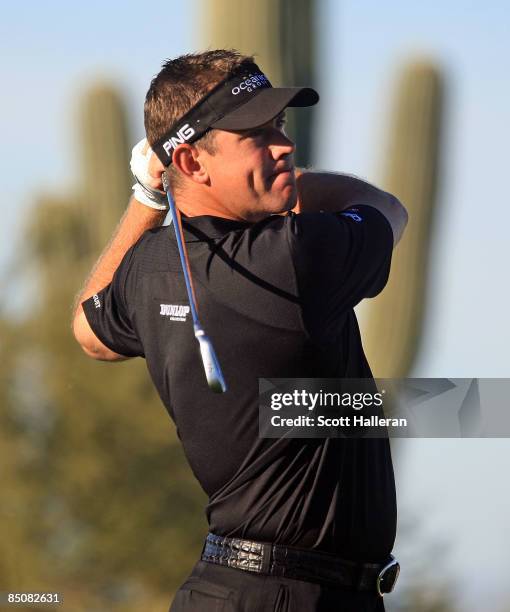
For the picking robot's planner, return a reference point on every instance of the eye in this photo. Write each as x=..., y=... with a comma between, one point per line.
x=265, y=130
x=281, y=125
x=254, y=133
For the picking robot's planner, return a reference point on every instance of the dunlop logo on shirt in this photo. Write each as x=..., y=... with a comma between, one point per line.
x=175, y=312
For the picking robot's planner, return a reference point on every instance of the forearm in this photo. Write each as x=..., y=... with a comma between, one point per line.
x=331, y=192
x=135, y=221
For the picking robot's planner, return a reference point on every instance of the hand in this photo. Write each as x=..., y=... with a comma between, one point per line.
x=147, y=170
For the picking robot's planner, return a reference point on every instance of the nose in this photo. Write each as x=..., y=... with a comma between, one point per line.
x=281, y=145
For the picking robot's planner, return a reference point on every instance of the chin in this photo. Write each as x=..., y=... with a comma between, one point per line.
x=286, y=201
x=281, y=207
x=290, y=201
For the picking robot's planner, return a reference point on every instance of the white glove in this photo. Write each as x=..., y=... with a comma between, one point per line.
x=154, y=198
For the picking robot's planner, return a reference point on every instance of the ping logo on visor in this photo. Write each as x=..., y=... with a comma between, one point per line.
x=231, y=93
x=182, y=135
x=245, y=99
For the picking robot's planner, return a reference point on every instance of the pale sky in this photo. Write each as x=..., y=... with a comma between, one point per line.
x=53, y=50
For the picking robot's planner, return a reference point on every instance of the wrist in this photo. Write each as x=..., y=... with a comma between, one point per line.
x=140, y=167
x=150, y=197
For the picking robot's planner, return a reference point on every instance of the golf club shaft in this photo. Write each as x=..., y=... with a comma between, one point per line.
x=176, y=220
x=211, y=365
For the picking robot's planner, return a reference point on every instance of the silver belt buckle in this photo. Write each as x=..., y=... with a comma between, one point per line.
x=387, y=577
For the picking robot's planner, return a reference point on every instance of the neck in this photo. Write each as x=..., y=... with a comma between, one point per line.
x=195, y=203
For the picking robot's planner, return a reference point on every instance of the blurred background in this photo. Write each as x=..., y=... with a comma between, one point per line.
x=97, y=499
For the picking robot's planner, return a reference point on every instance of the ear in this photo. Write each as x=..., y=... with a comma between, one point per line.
x=188, y=160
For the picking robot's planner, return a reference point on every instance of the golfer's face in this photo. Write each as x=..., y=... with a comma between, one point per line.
x=252, y=170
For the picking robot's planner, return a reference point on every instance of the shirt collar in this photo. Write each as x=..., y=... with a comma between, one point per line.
x=204, y=227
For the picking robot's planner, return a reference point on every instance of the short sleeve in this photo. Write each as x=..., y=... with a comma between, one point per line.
x=340, y=258
x=110, y=311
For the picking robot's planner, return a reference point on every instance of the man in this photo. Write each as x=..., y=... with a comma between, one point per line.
x=279, y=259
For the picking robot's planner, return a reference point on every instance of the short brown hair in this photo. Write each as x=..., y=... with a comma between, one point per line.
x=179, y=85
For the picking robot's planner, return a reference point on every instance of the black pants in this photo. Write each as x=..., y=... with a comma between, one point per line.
x=215, y=588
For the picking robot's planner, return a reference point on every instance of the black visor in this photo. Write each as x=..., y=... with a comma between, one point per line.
x=244, y=100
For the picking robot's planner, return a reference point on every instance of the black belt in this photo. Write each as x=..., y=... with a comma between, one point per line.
x=301, y=564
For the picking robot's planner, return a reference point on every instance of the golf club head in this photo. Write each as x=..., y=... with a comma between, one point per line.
x=211, y=365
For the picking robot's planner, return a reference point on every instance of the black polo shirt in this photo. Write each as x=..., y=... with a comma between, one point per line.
x=276, y=298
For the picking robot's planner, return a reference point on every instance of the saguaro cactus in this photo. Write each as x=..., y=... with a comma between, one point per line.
x=393, y=321
x=105, y=162
x=281, y=34
x=67, y=229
